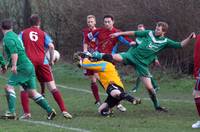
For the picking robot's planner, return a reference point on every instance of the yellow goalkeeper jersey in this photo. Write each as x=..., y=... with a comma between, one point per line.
x=106, y=70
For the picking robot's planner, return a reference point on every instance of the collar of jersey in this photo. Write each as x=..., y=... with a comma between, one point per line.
x=154, y=39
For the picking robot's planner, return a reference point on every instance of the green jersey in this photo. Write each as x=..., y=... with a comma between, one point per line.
x=25, y=71
x=150, y=45
x=11, y=45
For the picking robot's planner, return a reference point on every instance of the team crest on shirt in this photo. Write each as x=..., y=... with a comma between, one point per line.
x=152, y=46
x=91, y=37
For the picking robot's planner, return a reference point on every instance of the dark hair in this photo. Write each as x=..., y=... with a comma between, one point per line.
x=109, y=16
x=140, y=25
x=34, y=20
x=107, y=57
x=7, y=24
x=164, y=26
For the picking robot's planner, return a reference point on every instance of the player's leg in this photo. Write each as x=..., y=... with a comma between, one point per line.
x=58, y=98
x=118, y=93
x=117, y=57
x=147, y=83
x=25, y=103
x=94, y=86
x=42, y=86
x=11, y=100
x=155, y=84
x=30, y=85
x=42, y=102
x=136, y=86
x=196, y=94
x=104, y=109
x=44, y=74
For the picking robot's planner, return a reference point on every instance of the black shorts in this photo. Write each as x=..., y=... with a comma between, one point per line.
x=111, y=101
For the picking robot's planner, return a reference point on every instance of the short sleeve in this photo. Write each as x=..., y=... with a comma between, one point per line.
x=47, y=40
x=11, y=46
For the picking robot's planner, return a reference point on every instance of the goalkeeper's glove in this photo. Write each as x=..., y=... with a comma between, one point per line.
x=97, y=55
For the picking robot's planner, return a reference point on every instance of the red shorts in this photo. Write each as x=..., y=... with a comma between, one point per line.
x=43, y=73
x=88, y=72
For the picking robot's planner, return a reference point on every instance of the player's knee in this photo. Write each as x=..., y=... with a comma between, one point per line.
x=105, y=111
x=51, y=85
x=196, y=94
x=32, y=93
x=115, y=93
x=9, y=88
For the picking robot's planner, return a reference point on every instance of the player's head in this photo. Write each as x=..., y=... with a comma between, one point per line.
x=140, y=27
x=108, y=21
x=107, y=57
x=34, y=20
x=6, y=24
x=161, y=28
x=91, y=21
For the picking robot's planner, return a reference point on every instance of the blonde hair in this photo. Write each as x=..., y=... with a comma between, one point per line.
x=91, y=16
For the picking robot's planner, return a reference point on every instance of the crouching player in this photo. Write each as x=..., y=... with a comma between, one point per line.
x=109, y=79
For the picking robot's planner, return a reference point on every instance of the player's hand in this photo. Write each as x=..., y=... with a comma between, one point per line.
x=192, y=35
x=14, y=69
x=3, y=69
x=157, y=63
x=51, y=63
x=114, y=35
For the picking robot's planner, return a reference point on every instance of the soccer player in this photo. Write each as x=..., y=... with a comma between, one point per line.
x=35, y=42
x=138, y=41
x=109, y=45
x=110, y=81
x=22, y=72
x=142, y=56
x=196, y=91
x=90, y=45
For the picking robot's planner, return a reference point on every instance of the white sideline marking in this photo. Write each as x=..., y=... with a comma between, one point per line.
x=78, y=89
x=87, y=91
x=55, y=125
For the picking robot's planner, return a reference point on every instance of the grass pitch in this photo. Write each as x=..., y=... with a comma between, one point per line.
x=175, y=94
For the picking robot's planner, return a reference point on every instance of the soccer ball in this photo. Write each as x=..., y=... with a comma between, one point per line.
x=56, y=56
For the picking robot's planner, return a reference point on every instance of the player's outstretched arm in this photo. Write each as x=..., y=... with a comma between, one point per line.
x=51, y=52
x=122, y=33
x=187, y=40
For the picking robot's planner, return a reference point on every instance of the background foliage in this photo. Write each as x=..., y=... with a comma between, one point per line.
x=64, y=20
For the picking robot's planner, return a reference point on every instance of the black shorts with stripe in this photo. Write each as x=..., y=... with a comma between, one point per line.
x=111, y=101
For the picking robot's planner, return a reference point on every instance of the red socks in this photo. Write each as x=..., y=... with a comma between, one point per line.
x=197, y=102
x=42, y=85
x=57, y=96
x=95, y=91
x=25, y=101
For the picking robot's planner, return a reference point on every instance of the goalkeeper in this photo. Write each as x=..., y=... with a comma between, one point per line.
x=109, y=79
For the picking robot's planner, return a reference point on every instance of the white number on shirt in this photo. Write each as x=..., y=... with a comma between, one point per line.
x=33, y=36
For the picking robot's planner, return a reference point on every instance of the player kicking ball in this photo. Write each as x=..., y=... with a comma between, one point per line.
x=109, y=78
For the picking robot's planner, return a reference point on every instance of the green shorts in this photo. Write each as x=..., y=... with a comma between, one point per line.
x=25, y=76
x=141, y=69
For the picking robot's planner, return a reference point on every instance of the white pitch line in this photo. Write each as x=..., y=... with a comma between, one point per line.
x=55, y=125
x=87, y=91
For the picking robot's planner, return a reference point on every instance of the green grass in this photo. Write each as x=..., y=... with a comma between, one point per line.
x=175, y=94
